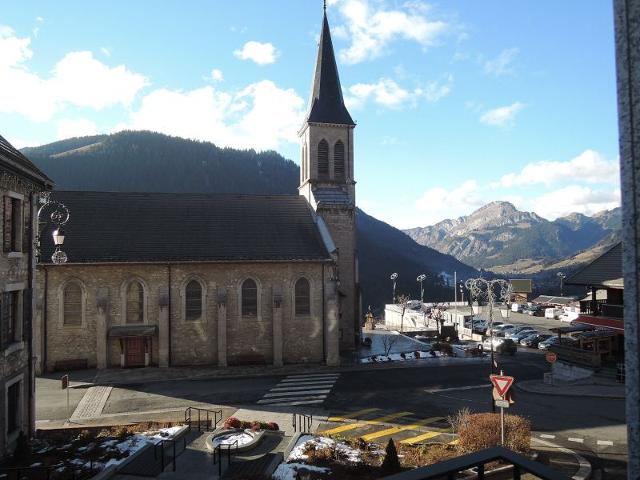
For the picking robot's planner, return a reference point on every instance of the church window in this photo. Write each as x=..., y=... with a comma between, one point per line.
x=323, y=158
x=249, y=298
x=338, y=160
x=193, y=300
x=303, y=297
x=135, y=303
x=72, y=304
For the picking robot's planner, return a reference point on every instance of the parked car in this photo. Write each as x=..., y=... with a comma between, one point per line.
x=569, y=317
x=533, y=340
x=553, y=312
x=514, y=332
x=544, y=345
x=535, y=310
x=500, y=330
x=523, y=334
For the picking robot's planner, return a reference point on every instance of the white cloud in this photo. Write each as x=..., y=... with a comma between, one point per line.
x=261, y=116
x=575, y=198
x=502, y=64
x=260, y=53
x=216, y=75
x=502, y=116
x=388, y=93
x=372, y=28
x=68, y=128
x=77, y=79
x=439, y=203
x=590, y=166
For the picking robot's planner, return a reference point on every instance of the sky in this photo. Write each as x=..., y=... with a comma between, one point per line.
x=457, y=103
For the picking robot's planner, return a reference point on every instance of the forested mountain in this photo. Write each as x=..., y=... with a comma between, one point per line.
x=152, y=162
x=133, y=161
x=501, y=238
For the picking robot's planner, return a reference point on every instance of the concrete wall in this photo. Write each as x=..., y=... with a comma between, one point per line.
x=220, y=336
x=627, y=32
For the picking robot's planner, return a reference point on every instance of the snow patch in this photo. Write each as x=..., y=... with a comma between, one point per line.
x=289, y=471
x=242, y=438
x=305, y=441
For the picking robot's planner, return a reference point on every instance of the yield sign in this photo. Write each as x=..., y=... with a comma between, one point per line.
x=502, y=383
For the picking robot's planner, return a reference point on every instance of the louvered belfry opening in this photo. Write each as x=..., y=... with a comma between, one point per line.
x=338, y=160
x=323, y=159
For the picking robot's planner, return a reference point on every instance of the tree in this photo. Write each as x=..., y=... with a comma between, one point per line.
x=388, y=341
x=391, y=463
x=403, y=302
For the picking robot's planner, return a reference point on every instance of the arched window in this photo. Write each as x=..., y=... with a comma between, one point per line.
x=135, y=303
x=193, y=300
x=338, y=160
x=72, y=313
x=323, y=158
x=249, y=298
x=303, y=297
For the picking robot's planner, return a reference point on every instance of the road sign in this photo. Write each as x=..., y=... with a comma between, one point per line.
x=65, y=382
x=502, y=403
x=551, y=357
x=502, y=383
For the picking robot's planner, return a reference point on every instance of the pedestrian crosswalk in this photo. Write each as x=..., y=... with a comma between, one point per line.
x=300, y=390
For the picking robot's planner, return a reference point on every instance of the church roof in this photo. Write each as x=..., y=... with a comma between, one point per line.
x=326, y=104
x=12, y=158
x=112, y=227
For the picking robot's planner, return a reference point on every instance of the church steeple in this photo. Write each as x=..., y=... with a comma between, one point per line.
x=326, y=104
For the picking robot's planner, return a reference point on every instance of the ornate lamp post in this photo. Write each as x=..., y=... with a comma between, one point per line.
x=394, y=277
x=59, y=216
x=492, y=291
x=421, y=279
x=561, y=276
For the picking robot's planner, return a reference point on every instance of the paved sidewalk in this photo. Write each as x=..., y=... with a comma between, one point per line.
x=594, y=388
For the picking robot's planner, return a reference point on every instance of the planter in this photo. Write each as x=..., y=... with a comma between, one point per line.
x=249, y=445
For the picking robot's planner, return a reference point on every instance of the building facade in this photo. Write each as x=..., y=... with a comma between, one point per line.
x=196, y=279
x=20, y=186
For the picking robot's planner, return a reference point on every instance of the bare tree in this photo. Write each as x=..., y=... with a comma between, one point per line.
x=403, y=302
x=388, y=341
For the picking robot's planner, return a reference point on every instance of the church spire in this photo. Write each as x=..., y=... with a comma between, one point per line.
x=326, y=103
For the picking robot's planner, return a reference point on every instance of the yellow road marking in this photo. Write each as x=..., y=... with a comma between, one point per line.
x=419, y=438
x=353, y=415
x=400, y=428
x=454, y=442
x=375, y=421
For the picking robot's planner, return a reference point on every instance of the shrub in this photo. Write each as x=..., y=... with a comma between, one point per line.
x=273, y=426
x=402, y=355
x=482, y=430
x=232, y=422
x=121, y=433
x=255, y=426
x=391, y=463
x=416, y=354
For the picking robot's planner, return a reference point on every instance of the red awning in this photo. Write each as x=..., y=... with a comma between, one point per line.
x=616, y=324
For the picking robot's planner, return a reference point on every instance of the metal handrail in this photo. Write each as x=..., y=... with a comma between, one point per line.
x=216, y=417
x=301, y=422
x=449, y=468
x=218, y=449
x=172, y=442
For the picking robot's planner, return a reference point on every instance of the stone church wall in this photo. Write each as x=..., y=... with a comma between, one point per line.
x=192, y=342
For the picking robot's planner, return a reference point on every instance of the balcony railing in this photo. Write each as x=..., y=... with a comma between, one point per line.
x=450, y=468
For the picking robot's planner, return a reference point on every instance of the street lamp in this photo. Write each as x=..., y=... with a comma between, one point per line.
x=59, y=217
x=421, y=279
x=461, y=286
x=561, y=276
x=493, y=291
x=394, y=277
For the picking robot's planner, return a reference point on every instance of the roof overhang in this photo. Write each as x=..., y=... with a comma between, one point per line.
x=120, y=331
x=616, y=324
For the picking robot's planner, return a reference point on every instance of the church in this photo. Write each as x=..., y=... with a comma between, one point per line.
x=157, y=279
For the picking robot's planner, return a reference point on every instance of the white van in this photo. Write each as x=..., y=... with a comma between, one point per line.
x=553, y=312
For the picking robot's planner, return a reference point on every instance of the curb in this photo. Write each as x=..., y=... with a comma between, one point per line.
x=584, y=467
x=528, y=389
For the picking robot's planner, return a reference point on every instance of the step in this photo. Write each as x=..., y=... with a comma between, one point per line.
x=264, y=466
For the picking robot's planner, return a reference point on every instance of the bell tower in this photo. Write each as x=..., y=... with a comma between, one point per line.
x=327, y=178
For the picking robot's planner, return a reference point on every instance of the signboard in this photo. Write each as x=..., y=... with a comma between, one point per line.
x=65, y=382
x=502, y=403
x=502, y=383
x=521, y=285
x=551, y=357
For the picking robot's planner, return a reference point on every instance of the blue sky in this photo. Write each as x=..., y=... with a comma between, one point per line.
x=458, y=103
